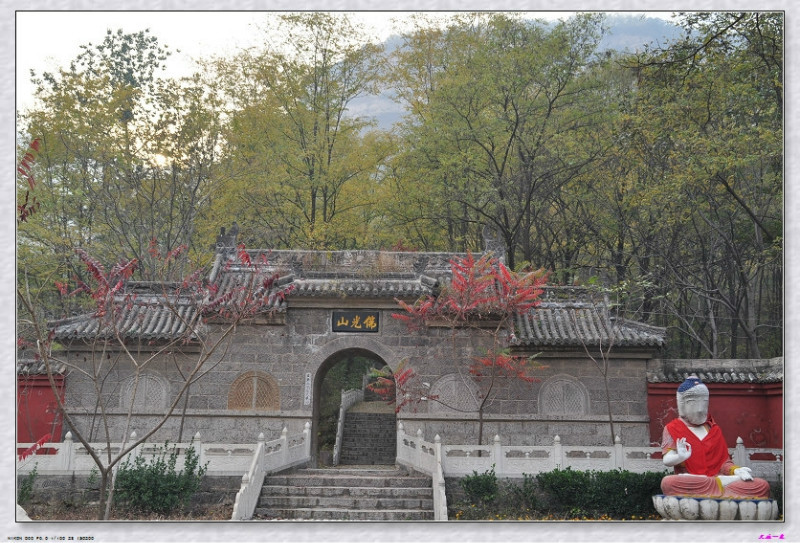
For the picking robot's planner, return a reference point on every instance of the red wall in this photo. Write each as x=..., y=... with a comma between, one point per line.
x=37, y=409
x=753, y=412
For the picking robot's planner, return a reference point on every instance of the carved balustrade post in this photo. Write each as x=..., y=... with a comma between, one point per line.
x=419, y=448
x=284, y=446
x=740, y=454
x=401, y=452
x=558, y=457
x=67, y=453
x=261, y=446
x=497, y=452
x=197, y=445
x=619, y=454
x=307, y=439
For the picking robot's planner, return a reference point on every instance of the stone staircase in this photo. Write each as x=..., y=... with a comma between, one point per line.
x=370, y=434
x=361, y=493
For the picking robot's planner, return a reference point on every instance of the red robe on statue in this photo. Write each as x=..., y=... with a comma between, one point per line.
x=697, y=475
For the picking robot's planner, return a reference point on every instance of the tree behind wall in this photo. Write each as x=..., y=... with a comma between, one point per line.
x=123, y=156
x=114, y=342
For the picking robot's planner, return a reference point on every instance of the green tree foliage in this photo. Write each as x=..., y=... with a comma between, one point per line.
x=495, y=127
x=617, y=493
x=480, y=488
x=124, y=158
x=658, y=173
x=707, y=117
x=303, y=169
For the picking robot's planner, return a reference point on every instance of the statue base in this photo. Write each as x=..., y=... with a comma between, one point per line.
x=709, y=508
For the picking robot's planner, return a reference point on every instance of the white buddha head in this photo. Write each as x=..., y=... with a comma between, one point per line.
x=693, y=401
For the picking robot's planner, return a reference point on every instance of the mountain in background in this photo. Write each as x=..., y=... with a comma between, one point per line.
x=632, y=32
x=626, y=33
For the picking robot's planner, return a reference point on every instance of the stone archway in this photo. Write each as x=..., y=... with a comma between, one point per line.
x=351, y=364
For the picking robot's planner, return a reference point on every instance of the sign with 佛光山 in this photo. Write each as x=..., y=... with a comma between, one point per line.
x=355, y=321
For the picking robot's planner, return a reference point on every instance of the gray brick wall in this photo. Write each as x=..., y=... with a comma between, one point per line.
x=306, y=344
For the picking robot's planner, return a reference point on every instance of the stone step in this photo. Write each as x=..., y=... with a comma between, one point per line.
x=359, y=471
x=369, y=436
x=344, y=502
x=346, y=480
x=350, y=493
x=338, y=514
x=375, y=407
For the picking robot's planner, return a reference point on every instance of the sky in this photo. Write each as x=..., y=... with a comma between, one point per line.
x=196, y=34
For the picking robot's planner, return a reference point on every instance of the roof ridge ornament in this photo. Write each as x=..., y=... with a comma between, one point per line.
x=226, y=242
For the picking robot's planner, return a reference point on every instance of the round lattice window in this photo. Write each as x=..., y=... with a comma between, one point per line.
x=563, y=396
x=254, y=390
x=454, y=394
x=150, y=390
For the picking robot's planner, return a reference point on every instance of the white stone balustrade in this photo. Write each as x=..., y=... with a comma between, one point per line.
x=71, y=458
x=254, y=461
x=512, y=461
x=272, y=456
x=425, y=457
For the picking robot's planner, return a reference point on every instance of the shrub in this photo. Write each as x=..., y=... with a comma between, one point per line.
x=525, y=495
x=776, y=490
x=560, y=494
x=617, y=493
x=25, y=492
x=155, y=486
x=480, y=488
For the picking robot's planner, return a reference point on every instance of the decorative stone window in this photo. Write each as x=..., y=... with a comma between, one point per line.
x=254, y=390
x=151, y=392
x=455, y=393
x=563, y=395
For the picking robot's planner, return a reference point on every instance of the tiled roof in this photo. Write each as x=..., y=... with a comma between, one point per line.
x=567, y=317
x=338, y=286
x=717, y=371
x=363, y=274
x=242, y=282
x=30, y=366
x=145, y=318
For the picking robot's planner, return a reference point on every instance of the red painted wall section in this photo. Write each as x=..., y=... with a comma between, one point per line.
x=753, y=412
x=37, y=409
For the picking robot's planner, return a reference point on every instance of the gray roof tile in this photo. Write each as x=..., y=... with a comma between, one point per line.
x=574, y=325
x=143, y=320
x=720, y=371
x=31, y=366
x=565, y=317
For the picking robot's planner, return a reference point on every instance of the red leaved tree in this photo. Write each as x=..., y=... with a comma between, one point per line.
x=202, y=313
x=483, y=297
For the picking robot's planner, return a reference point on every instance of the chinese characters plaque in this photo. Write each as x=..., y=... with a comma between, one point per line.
x=355, y=321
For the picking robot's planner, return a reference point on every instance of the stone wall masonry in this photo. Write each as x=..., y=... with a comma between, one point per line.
x=219, y=425
x=584, y=431
x=306, y=343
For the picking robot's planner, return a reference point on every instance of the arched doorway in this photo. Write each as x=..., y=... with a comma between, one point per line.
x=347, y=369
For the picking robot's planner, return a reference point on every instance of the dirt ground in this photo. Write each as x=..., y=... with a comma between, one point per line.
x=71, y=512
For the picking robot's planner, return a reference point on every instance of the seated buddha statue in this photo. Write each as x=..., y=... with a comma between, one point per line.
x=694, y=446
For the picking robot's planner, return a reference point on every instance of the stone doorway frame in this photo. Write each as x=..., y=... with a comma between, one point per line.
x=331, y=355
